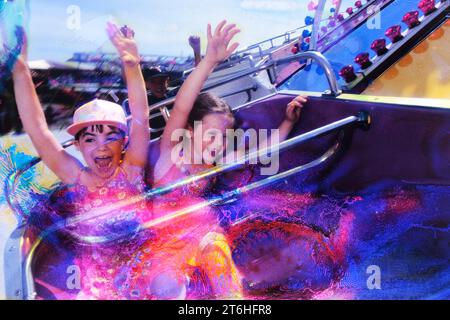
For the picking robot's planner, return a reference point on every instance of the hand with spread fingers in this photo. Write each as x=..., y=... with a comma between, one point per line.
x=123, y=41
x=219, y=48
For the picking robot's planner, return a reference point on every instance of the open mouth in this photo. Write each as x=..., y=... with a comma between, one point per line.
x=103, y=163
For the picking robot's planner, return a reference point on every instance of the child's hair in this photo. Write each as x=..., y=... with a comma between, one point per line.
x=206, y=104
x=97, y=128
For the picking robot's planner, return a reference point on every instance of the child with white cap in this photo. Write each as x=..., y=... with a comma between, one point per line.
x=115, y=157
x=99, y=127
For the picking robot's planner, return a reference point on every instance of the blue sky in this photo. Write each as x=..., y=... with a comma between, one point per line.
x=162, y=26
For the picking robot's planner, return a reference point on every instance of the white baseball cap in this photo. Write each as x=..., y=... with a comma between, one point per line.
x=98, y=112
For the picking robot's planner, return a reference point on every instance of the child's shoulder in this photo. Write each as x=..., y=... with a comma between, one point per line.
x=131, y=172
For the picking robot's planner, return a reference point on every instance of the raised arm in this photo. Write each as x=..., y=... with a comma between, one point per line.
x=194, y=42
x=49, y=149
x=293, y=111
x=217, y=51
x=123, y=41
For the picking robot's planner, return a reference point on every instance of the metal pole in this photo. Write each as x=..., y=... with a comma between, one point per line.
x=316, y=26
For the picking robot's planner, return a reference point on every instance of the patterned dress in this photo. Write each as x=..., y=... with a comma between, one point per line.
x=189, y=258
x=100, y=229
x=124, y=248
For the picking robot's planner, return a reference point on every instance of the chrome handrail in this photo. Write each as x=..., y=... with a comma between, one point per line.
x=362, y=119
x=335, y=89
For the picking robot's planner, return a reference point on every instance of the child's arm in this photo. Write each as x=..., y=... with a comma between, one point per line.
x=194, y=42
x=293, y=112
x=292, y=116
x=126, y=46
x=217, y=51
x=49, y=149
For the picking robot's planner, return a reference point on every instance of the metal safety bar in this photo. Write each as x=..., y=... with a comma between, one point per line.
x=362, y=119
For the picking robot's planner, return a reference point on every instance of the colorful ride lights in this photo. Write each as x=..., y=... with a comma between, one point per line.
x=304, y=46
x=358, y=4
x=309, y=20
x=394, y=33
x=312, y=5
x=331, y=22
x=340, y=17
x=411, y=19
x=306, y=34
x=349, y=10
x=363, y=60
x=379, y=46
x=427, y=6
x=348, y=73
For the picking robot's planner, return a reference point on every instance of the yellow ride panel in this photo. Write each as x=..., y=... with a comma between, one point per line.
x=424, y=72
